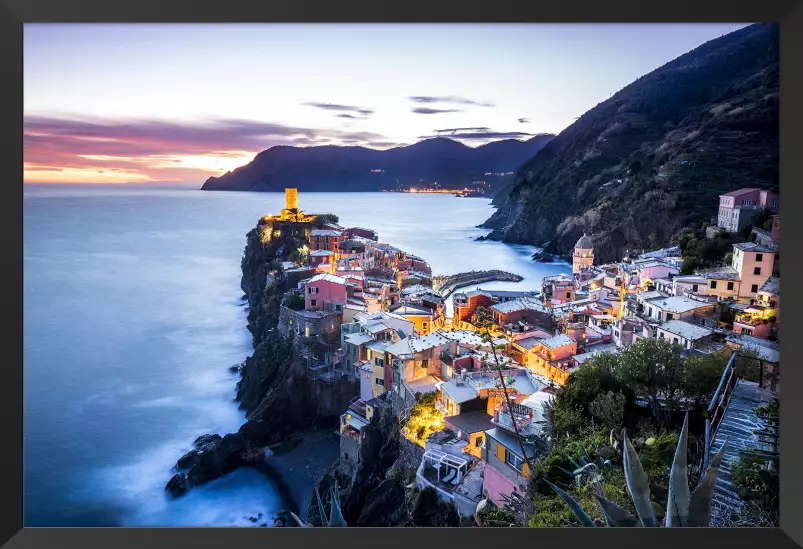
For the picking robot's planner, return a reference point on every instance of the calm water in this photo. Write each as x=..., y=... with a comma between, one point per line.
x=133, y=316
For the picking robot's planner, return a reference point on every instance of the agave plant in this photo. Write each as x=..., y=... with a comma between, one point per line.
x=335, y=514
x=682, y=509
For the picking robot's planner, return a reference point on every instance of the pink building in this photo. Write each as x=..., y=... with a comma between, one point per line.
x=737, y=208
x=754, y=263
x=325, y=292
x=318, y=257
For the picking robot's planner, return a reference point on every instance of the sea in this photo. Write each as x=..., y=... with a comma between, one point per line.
x=133, y=316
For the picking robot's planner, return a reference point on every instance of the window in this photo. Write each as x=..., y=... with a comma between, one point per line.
x=313, y=290
x=730, y=285
x=661, y=335
x=754, y=288
x=379, y=362
x=713, y=284
x=757, y=270
x=478, y=442
x=649, y=311
x=668, y=317
x=513, y=460
x=675, y=340
x=338, y=307
x=759, y=258
x=424, y=326
x=568, y=295
x=425, y=363
x=380, y=381
x=312, y=302
x=694, y=288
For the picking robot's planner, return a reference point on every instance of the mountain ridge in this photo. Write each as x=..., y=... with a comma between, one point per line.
x=349, y=167
x=646, y=165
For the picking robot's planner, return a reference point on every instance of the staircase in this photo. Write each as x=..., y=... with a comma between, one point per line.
x=736, y=426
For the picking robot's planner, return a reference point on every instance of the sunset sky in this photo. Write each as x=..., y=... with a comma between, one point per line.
x=113, y=103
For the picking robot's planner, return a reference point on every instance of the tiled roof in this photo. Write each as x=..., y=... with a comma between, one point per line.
x=325, y=232
x=677, y=304
x=685, y=330
x=521, y=304
x=739, y=192
x=720, y=273
x=328, y=277
x=751, y=247
x=557, y=341
x=771, y=286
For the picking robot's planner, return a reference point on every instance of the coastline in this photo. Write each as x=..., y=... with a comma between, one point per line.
x=296, y=472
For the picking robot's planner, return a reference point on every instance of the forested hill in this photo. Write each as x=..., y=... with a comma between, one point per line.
x=334, y=168
x=640, y=168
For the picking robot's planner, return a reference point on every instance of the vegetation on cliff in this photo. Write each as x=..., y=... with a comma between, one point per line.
x=642, y=166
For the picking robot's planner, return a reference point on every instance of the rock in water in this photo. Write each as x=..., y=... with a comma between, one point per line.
x=203, y=440
x=178, y=485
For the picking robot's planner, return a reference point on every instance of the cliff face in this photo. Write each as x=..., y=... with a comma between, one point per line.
x=279, y=399
x=331, y=168
x=650, y=162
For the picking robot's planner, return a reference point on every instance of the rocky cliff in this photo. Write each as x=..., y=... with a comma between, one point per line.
x=280, y=401
x=639, y=169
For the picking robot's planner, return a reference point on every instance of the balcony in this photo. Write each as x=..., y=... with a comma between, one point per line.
x=526, y=426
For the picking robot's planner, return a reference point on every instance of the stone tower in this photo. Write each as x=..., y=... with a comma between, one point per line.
x=583, y=254
x=291, y=199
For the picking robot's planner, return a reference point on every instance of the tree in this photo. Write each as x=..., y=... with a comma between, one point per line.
x=654, y=368
x=609, y=408
x=701, y=377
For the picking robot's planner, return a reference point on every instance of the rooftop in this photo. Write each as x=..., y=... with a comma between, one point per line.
x=358, y=339
x=459, y=393
x=772, y=286
x=557, y=341
x=579, y=359
x=528, y=342
x=767, y=350
x=325, y=232
x=685, y=330
x=426, y=384
x=467, y=337
x=521, y=380
x=378, y=346
x=407, y=347
x=678, y=304
x=720, y=273
x=740, y=192
x=405, y=309
x=321, y=253
x=327, y=277
x=521, y=304
x=471, y=422
x=751, y=247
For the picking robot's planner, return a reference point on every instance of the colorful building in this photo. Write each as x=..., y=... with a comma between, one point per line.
x=325, y=292
x=325, y=239
x=754, y=263
x=466, y=304
x=738, y=208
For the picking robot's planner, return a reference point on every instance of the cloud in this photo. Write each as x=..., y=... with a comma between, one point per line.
x=154, y=150
x=342, y=108
x=453, y=99
x=427, y=110
x=524, y=120
x=484, y=136
x=452, y=130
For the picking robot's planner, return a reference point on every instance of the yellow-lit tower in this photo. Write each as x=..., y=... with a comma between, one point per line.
x=291, y=199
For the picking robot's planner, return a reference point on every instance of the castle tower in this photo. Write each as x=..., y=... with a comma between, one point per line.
x=291, y=199
x=583, y=254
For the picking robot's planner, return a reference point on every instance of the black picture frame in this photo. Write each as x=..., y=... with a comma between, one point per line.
x=15, y=13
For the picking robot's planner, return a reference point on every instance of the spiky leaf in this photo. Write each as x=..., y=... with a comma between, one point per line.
x=336, y=515
x=638, y=484
x=574, y=462
x=614, y=515
x=324, y=522
x=700, y=502
x=570, y=473
x=677, y=504
x=299, y=521
x=578, y=512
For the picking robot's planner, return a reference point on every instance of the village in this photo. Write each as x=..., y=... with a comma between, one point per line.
x=367, y=310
